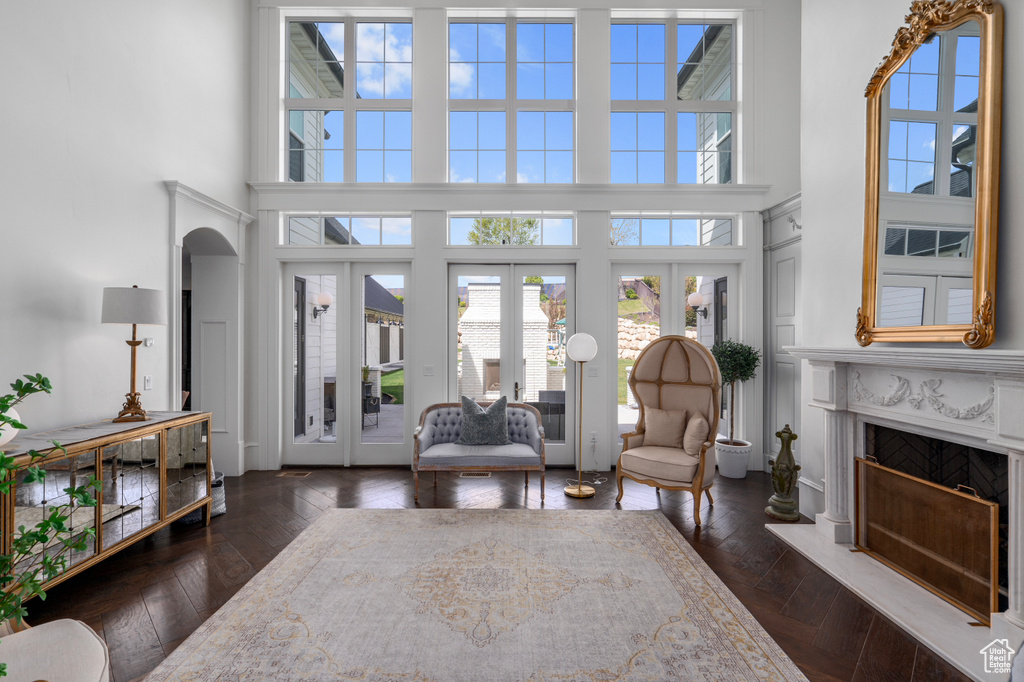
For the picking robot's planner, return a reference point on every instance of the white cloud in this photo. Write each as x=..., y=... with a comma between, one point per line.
x=461, y=78
x=373, y=45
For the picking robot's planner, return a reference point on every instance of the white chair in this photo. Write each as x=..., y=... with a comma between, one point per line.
x=59, y=650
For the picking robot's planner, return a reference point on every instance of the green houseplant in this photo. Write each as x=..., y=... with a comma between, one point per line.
x=37, y=554
x=737, y=362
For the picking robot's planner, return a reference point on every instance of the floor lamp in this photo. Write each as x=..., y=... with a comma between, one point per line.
x=580, y=348
x=134, y=306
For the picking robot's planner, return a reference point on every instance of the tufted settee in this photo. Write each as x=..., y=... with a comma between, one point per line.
x=435, y=449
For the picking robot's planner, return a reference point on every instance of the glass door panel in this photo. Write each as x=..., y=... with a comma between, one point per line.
x=638, y=322
x=376, y=354
x=543, y=324
x=314, y=358
x=478, y=339
x=382, y=372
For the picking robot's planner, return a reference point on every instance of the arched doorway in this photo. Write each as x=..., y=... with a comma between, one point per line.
x=207, y=278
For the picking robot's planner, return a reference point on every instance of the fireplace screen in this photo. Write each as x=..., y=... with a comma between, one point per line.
x=942, y=539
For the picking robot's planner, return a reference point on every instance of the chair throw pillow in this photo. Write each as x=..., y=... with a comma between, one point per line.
x=696, y=434
x=664, y=428
x=484, y=427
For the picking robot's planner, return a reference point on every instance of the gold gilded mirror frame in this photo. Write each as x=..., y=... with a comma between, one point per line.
x=927, y=17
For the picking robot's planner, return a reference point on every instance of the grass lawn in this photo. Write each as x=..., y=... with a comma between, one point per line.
x=630, y=307
x=393, y=383
x=623, y=364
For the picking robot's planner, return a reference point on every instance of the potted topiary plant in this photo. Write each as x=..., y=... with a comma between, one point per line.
x=40, y=553
x=737, y=362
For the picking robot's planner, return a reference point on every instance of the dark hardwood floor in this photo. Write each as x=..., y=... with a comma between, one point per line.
x=147, y=599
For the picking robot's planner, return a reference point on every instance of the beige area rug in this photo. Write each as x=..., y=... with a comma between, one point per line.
x=480, y=595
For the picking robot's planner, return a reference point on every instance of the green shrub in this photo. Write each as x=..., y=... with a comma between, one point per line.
x=631, y=293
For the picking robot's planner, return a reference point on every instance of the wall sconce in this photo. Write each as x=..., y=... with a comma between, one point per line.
x=323, y=302
x=696, y=301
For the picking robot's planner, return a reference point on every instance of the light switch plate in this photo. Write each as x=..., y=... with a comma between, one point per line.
x=147, y=382
x=593, y=372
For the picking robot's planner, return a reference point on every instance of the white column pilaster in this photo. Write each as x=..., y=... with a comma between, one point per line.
x=1015, y=471
x=829, y=393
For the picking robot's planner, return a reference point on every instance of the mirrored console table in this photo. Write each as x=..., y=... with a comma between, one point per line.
x=152, y=473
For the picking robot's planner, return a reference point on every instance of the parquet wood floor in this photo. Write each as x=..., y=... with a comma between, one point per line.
x=147, y=599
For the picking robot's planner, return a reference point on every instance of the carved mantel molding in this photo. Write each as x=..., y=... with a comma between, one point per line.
x=1002, y=363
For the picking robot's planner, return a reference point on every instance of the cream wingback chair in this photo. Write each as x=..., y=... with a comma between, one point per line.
x=678, y=387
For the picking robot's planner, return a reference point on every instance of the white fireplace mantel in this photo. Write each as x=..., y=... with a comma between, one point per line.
x=973, y=397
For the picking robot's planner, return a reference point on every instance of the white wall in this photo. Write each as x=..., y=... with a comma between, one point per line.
x=842, y=44
x=102, y=105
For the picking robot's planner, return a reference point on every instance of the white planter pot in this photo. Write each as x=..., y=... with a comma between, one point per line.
x=733, y=459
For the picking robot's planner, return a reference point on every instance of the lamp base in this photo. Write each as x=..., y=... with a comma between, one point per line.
x=132, y=410
x=579, y=491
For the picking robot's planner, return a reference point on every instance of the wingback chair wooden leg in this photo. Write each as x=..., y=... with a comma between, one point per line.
x=416, y=486
x=541, y=486
x=696, y=508
x=618, y=479
x=711, y=500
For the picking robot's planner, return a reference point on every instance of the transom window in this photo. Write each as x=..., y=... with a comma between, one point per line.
x=348, y=230
x=511, y=229
x=663, y=229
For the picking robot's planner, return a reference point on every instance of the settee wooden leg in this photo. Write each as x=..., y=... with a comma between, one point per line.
x=527, y=484
x=618, y=479
x=542, y=486
x=416, y=486
x=435, y=479
x=696, y=507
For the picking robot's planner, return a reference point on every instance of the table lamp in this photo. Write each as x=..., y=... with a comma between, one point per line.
x=134, y=306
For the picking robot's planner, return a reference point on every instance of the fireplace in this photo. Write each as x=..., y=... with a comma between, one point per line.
x=949, y=465
x=958, y=417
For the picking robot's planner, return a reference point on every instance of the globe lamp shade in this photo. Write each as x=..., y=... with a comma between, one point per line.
x=581, y=347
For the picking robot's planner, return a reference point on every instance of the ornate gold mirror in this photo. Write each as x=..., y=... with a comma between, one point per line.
x=931, y=209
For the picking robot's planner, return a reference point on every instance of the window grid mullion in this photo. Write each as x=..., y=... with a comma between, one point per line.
x=349, y=134
x=511, y=84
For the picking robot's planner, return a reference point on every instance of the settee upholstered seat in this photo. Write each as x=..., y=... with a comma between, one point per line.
x=435, y=447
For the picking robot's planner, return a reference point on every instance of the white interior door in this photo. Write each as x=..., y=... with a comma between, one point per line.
x=508, y=327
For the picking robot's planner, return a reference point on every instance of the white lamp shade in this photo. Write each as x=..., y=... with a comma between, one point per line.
x=131, y=305
x=8, y=432
x=695, y=300
x=581, y=347
x=324, y=299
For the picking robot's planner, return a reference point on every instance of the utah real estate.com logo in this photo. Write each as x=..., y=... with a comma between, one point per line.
x=998, y=656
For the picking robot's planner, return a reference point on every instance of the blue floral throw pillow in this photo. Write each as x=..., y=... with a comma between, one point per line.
x=484, y=427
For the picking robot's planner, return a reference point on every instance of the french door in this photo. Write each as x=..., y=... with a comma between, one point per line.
x=340, y=318
x=508, y=327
